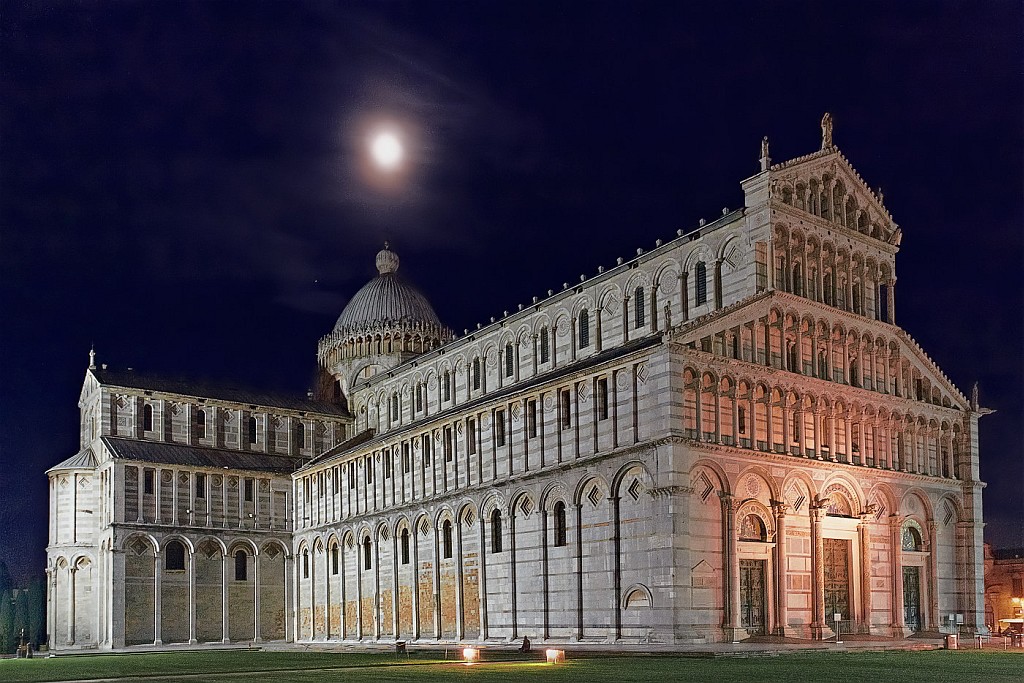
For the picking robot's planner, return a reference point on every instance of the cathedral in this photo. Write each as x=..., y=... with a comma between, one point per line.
x=727, y=435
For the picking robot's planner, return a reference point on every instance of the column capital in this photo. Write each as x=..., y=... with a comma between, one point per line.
x=779, y=507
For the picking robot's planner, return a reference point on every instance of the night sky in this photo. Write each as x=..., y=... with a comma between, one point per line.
x=184, y=185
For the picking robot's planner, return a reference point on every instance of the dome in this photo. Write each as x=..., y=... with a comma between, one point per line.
x=387, y=300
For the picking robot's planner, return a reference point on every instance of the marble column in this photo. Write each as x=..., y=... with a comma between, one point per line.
x=899, y=629
x=781, y=569
x=817, y=569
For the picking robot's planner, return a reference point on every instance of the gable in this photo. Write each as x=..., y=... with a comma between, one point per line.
x=824, y=184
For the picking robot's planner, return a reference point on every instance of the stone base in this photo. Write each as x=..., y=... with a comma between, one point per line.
x=732, y=634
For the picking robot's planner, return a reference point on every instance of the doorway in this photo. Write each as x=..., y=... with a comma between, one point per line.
x=912, y=598
x=837, y=578
x=752, y=596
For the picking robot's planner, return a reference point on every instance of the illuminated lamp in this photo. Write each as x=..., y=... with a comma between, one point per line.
x=555, y=656
x=471, y=655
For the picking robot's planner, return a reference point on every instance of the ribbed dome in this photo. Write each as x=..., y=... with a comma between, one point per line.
x=386, y=300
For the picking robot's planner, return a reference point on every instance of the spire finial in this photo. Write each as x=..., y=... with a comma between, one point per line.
x=92, y=357
x=826, y=131
x=766, y=160
x=387, y=260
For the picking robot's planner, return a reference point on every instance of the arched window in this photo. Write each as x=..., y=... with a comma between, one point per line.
x=701, y=279
x=241, y=566
x=822, y=365
x=584, y=329
x=476, y=373
x=560, y=524
x=334, y=559
x=174, y=556
x=419, y=397
x=201, y=424
x=639, y=312
x=446, y=539
x=510, y=360
x=446, y=386
x=367, y=560
x=798, y=280
x=253, y=429
x=405, y=546
x=305, y=563
x=300, y=435
x=496, y=531
x=544, y=345
x=791, y=361
x=741, y=419
x=147, y=418
x=828, y=288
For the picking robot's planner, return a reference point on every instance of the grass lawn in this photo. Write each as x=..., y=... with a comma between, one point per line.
x=284, y=667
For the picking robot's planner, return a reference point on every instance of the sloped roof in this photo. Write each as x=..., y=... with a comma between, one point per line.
x=136, y=380
x=198, y=456
x=82, y=460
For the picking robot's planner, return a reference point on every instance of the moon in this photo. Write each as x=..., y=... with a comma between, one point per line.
x=387, y=150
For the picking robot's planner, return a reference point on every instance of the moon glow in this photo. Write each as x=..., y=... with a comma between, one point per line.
x=387, y=150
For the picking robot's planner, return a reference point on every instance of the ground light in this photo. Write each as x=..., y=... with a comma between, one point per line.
x=555, y=656
x=471, y=655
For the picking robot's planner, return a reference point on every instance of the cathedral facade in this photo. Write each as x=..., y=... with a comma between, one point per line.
x=727, y=435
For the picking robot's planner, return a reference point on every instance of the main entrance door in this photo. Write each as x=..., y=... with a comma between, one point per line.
x=837, y=578
x=912, y=598
x=752, y=602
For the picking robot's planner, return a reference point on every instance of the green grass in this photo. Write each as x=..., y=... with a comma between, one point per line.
x=302, y=667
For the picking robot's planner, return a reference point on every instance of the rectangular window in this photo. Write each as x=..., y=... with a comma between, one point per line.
x=639, y=303
x=406, y=460
x=241, y=566
x=1018, y=587
x=471, y=436
x=476, y=373
x=419, y=398
x=448, y=444
x=531, y=418
x=602, y=398
x=368, y=465
x=426, y=449
x=446, y=386
x=544, y=347
x=499, y=427
x=352, y=474
x=564, y=409
x=761, y=266
x=334, y=559
x=387, y=464
x=250, y=486
x=147, y=481
x=200, y=485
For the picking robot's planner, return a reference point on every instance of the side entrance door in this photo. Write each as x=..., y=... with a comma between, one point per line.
x=912, y=598
x=752, y=601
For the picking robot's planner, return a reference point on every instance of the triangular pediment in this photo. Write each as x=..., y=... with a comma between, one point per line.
x=825, y=184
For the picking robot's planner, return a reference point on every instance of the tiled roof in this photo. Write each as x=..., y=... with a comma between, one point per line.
x=137, y=380
x=83, y=459
x=198, y=456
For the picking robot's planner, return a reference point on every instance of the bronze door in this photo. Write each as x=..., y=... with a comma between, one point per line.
x=837, y=578
x=912, y=598
x=752, y=602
